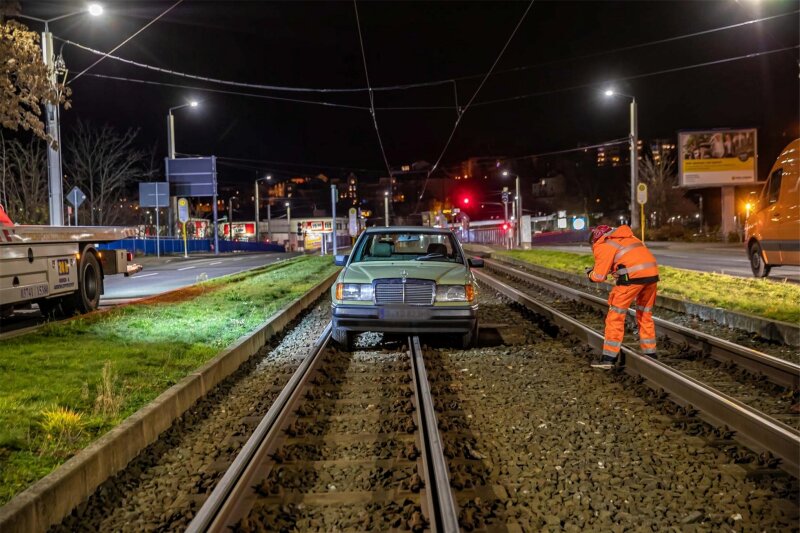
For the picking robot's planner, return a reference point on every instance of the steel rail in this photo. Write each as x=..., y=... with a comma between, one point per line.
x=226, y=504
x=776, y=370
x=752, y=428
x=441, y=502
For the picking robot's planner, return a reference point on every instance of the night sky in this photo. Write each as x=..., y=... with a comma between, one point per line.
x=316, y=45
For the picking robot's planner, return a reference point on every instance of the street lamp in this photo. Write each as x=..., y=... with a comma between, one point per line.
x=171, y=127
x=230, y=216
x=288, y=206
x=268, y=177
x=634, y=141
x=52, y=112
x=386, y=207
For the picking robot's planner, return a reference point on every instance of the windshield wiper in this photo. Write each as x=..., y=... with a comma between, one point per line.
x=428, y=256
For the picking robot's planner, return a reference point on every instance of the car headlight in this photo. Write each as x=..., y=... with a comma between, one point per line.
x=354, y=291
x=455, y=293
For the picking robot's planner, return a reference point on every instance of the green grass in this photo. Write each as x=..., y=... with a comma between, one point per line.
x=768, y=299
x=147, y=348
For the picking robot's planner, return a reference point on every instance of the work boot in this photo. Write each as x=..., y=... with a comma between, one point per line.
x=606, y=363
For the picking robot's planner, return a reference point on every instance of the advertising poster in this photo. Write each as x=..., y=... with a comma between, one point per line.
x=717, y=158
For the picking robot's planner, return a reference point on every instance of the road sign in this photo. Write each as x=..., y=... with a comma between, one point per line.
x=641, y=193
x=183, y=210
x=154, y=194
x=76, y=197
x=193, y=176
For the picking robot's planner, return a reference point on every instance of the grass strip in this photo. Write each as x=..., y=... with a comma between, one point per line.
x=760, y=297
x=69, y=382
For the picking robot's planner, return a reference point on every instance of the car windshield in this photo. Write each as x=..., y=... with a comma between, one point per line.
x=408, y=246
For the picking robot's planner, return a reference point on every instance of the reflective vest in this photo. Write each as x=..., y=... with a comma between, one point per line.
x=618, y=251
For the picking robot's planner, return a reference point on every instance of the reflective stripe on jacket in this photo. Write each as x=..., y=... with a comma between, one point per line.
x=619, y=251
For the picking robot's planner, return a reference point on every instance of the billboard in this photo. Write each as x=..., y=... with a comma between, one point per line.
x=717, y=158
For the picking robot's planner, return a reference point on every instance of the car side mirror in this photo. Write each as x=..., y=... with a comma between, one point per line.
x=340, y=260
x=475, y=262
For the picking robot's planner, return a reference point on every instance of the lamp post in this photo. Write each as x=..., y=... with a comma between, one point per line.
x=171, y=153
x=386, y=207
x=289, y=223
x=230, y=217
x=268, y=177
x=634, y=141
x=52, y=112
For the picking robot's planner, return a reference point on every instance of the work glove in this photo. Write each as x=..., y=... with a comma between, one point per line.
x=588, y=270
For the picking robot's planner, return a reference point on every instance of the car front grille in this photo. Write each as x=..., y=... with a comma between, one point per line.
x=412, y=292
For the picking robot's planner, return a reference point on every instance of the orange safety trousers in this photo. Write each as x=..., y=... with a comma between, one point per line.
x=619, y=300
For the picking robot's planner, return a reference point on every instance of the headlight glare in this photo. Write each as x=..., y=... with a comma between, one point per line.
x=357, y=291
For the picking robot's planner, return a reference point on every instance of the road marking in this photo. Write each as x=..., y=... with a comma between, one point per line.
x=187, y=268
x=237, y=258
x=217, y=263
x=137, y=276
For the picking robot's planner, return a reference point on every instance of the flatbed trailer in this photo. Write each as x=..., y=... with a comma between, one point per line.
x=60, y=268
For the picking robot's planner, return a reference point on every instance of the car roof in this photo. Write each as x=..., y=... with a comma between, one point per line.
x=407, y=229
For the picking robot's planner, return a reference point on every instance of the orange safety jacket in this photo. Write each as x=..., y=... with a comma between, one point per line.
x=618, y=251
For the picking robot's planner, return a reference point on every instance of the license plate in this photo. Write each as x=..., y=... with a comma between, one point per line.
x=404, y=313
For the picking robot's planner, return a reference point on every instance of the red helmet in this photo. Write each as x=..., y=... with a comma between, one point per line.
x=598, y=232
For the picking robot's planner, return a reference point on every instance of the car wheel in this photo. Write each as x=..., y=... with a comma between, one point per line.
x=469, y=338
x=343, y=338
x=760, y=267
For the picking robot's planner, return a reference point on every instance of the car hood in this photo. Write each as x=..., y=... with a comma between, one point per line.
x=440, y=272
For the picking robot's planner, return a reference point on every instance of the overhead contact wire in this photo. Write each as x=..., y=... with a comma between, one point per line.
x=123, y=43
x=472, y=99
x=371, y=94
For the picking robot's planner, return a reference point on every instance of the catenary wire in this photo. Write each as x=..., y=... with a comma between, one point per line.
x=639, y=76
x=419, y=84
x=123, y=43
x=371, y=94
x=234, y=93
x=469, y=102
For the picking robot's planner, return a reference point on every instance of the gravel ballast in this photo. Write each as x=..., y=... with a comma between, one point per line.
x=164, y=486
x=575, y=448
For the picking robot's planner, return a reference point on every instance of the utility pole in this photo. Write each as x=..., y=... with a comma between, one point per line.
x=54, y=130
x=289, y=223
x=257, y=202
x=334, y=196
x=518, y=203
x=634, y=163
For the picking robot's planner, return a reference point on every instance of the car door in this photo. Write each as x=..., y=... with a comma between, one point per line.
x=789, y=210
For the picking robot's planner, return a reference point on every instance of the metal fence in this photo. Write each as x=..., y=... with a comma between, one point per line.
x=169, y=246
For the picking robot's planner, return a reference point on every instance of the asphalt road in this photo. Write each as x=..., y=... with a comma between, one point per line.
x=165, y=274
x=705, y=257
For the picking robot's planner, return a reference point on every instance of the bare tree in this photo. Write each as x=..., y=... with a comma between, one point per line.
x=663, y=197
x=103, y=164
x=24, y=78
x=25, y=171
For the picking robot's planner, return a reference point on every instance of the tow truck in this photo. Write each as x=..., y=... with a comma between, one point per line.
x=60, y=268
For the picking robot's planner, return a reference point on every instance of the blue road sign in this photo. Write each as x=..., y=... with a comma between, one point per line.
x=154, y=194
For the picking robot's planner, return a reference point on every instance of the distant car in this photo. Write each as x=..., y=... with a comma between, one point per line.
x=413, y=280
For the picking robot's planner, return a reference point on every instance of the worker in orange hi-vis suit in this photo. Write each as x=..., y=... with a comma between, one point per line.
x=626, y=258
